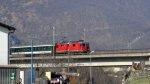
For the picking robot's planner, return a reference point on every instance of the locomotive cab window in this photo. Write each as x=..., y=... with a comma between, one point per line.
x=83, y=44
x=57, y=46
x=68, y=45
x=73, y=45
x=61, y=45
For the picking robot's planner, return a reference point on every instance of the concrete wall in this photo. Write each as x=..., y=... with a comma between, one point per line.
x=3, y=46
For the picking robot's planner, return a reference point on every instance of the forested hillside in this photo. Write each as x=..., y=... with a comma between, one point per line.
x=108, y=24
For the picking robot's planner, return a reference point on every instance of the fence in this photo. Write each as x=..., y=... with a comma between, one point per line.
x=9, y=75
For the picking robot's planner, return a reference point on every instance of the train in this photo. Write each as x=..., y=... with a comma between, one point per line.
x=37, y=49
x=74, y=47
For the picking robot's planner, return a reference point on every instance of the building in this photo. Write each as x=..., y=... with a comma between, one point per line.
x=5, y=30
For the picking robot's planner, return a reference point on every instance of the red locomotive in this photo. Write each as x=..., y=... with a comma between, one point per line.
x=73, y=47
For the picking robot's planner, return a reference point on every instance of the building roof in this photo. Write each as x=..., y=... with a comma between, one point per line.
x=10, y=28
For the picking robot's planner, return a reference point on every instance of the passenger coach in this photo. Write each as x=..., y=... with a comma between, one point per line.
x=38, y=49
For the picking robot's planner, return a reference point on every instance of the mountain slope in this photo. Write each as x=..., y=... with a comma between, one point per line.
x=109, y=25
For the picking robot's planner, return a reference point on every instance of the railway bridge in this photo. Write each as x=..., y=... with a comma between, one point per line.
x=103, y=59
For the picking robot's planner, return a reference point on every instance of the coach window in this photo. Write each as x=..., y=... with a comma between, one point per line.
x=48, y=48
x=28, y=49
x=24, y=50
x=51, y=47
x=17, y=49
x=11, y=50
x=14, y=50
x=35, y=49
x=39, y=48
x=45, y=48
x=42, y=48
x=21, y=50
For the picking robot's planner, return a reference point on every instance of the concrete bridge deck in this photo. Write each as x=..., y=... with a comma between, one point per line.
x=97, y=59
x=100, y=64
x=95, y=55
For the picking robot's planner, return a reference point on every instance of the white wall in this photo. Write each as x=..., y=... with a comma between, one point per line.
x=3, y=46
x=22, y=76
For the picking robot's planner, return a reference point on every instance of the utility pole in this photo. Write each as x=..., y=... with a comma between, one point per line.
x=90, y=70
x=84, y=34
x=68, y=55
x=54, y=44
x=53, y=40
x=31, y=70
